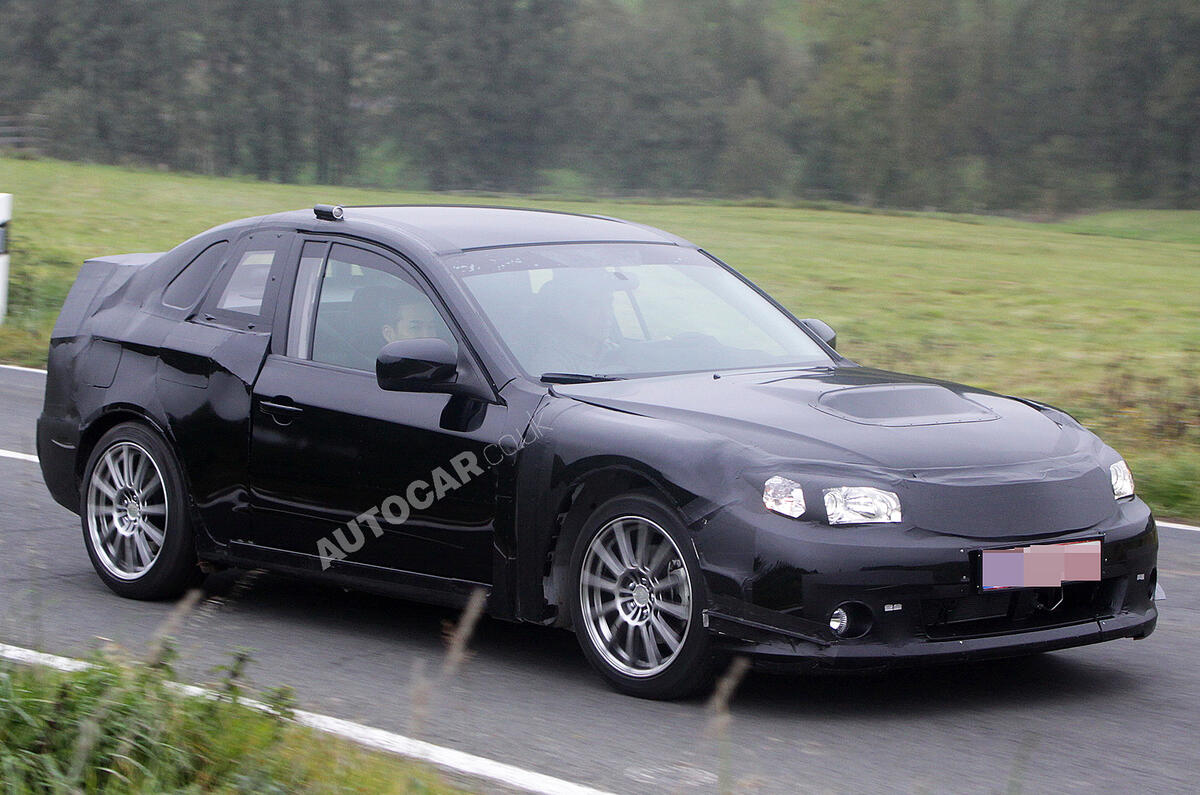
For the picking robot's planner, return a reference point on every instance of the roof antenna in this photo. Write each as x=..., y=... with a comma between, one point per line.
x=329, y=212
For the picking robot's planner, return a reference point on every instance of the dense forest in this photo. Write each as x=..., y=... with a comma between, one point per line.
x=979, y=105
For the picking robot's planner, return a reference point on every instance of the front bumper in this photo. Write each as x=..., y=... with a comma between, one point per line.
x=920, y=591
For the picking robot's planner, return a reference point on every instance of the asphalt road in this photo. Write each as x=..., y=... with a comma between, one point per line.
x=1115, y=717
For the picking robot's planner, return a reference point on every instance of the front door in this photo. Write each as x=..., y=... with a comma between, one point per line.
x=350, y=474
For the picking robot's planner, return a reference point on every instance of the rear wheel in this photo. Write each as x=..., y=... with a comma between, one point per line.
x=135, y=519
x=637, y=600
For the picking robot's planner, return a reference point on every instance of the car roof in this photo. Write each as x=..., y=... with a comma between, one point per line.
x=451, y=228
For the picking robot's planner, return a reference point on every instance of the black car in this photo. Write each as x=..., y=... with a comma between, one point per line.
x=598, y=423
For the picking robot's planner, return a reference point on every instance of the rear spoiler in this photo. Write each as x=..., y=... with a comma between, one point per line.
x=98, y=279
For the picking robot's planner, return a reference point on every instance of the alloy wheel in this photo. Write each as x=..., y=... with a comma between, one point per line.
x=127, y=510
x=636, y=596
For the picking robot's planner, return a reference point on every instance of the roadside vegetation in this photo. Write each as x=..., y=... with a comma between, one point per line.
x=956, y=104
x=120, y=727
x=1097, y=314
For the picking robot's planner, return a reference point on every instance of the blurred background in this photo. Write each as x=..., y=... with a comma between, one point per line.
x=1000, y=192
x=1039, y=106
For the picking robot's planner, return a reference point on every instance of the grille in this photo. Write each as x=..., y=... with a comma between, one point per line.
x=1021, y=610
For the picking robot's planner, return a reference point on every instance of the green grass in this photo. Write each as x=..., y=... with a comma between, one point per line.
x=1169, y=226
x=119, y=728
x=1097, y=314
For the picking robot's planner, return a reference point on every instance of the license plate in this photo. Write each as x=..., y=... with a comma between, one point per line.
x=1041, y=565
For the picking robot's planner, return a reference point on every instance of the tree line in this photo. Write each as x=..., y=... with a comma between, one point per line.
x=978, y=105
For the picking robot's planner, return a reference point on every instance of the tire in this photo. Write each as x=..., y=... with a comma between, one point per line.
x=640, y=627
x=134, y=512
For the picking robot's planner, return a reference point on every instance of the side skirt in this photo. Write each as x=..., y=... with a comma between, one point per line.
x=426, y=588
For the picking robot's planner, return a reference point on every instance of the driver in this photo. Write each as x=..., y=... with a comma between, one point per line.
x=414, y=319
x=575, y=310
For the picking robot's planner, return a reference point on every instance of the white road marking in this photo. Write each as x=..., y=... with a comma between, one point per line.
x=19, y=368
x=33, y=459
x=31, y=657
x=378, y=739
x=1177, y=526
x=444, y=757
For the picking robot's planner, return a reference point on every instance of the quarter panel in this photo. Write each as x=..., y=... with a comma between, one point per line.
x=202, y=379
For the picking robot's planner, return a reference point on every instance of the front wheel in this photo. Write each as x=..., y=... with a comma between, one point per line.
x=135, y=518
x=637, y=600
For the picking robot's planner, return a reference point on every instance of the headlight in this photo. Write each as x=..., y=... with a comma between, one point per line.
x=1122, y=480
x=784, y=496
x=860, y=505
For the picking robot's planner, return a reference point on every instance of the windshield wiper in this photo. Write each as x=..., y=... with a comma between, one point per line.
x=576, y=378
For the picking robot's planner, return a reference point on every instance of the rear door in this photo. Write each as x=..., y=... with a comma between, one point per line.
x=208, y=362
x=329, y=448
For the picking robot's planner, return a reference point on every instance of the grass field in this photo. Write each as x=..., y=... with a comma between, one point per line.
x=1098, y=314
x=119, y=727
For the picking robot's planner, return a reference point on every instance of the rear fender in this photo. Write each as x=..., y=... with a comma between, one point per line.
x=98, y=279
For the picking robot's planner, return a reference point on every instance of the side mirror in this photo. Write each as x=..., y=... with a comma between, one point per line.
x=823, y=330
x=420, y=365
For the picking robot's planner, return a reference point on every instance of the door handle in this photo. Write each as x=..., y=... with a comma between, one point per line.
x=282, y=413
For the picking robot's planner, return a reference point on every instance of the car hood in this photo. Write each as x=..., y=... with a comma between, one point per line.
x=846, y=414
x=962, y=457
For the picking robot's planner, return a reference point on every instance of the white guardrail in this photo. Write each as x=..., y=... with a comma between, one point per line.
x=5, y=217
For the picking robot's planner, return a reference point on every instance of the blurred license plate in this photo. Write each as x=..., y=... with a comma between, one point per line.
x=1041, y=565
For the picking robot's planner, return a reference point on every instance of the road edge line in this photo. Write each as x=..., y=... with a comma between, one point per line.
x=21, y=369
x=439, y=756
x=19, y=654
x=1177, y=526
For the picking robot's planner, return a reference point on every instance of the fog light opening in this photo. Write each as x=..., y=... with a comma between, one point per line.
x=851, y=620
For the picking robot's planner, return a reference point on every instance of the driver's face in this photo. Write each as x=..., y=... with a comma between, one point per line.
x=413, y=321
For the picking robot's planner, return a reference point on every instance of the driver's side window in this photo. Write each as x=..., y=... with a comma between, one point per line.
x=362, y=302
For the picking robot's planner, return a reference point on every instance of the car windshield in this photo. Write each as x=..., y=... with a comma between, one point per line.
x=584, y=310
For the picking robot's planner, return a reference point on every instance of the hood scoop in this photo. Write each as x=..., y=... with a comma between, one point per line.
x=902, y=405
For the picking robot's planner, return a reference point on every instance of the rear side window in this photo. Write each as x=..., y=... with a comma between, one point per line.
x=186, y=288
x=245, y=289
x=243, y=294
